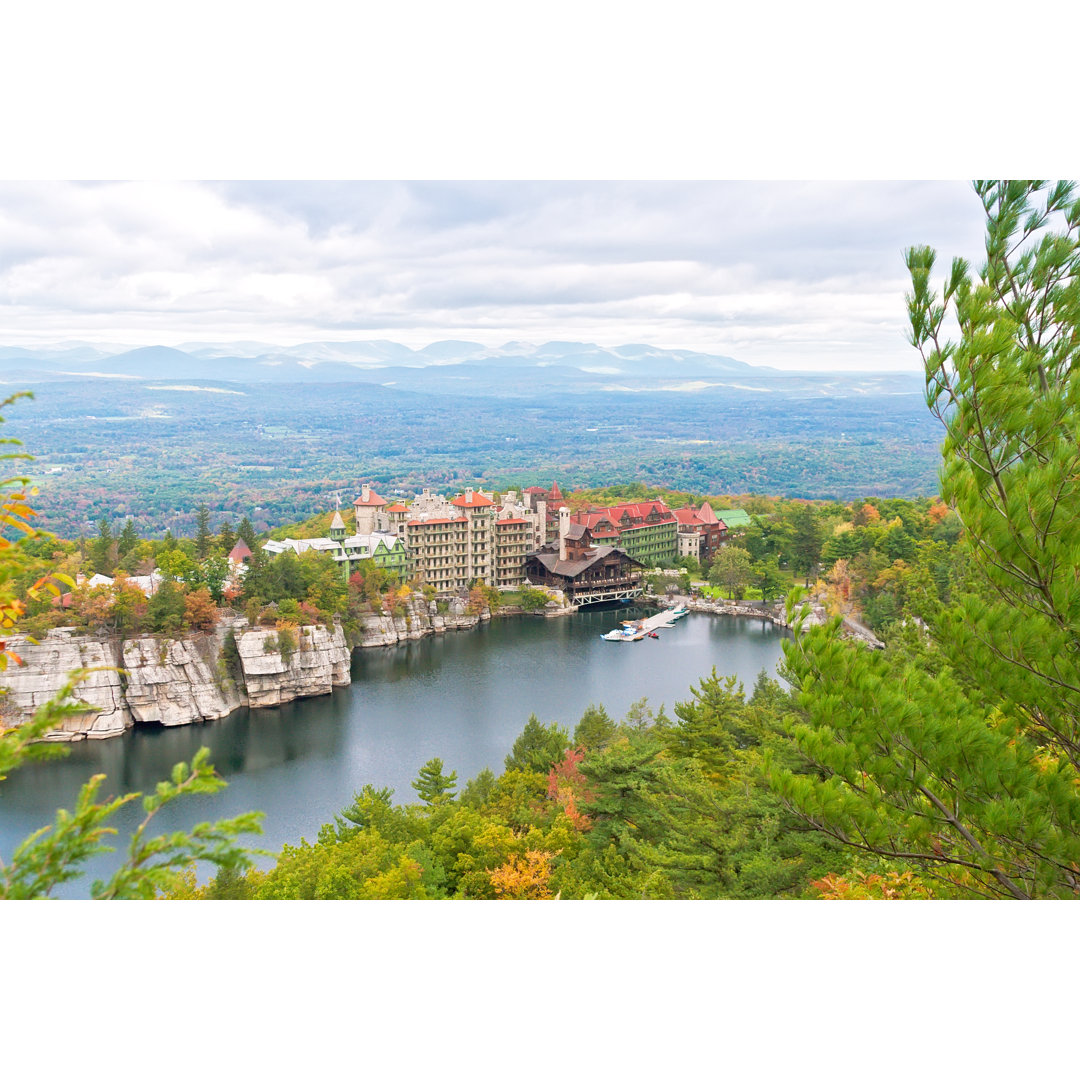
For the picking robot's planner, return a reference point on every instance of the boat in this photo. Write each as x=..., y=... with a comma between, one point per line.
x=679, y=612
x=628, y=634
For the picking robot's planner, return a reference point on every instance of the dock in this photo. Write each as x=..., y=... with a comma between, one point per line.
x=661, y=620
x=635, y=630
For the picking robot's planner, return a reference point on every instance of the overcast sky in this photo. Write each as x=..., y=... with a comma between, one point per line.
x=793, y=275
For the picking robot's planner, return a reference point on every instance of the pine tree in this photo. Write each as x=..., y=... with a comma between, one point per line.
x=595, y=729
x=537, y=748
x=128, y=539
x=226, y=539
x=103, y=550
x=432, y=786
x=246, y=532
x=963, y=759
x=165, y=609
x=203, y=537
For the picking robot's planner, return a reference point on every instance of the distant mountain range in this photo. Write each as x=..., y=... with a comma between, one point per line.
x=447, y=367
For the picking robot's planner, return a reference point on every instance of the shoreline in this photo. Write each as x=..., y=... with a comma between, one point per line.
x=174, y=682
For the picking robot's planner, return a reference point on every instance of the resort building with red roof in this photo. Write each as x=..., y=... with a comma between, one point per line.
x=647, y=531
x=701, y=532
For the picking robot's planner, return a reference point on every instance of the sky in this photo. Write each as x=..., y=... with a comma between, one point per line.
x=795, y=275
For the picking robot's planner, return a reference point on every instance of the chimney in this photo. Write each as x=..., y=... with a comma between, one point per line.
x=564, y=528
x=365, y=492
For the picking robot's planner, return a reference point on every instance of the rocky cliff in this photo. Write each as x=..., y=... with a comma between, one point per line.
x=45, y=669
x=162, y=681
x=310, y=660
x=420, y=619
x=179, y=682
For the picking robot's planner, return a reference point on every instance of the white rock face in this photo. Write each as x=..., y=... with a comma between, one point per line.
x=184, y=681
x=168, y=682
x=46, y=670
x=421, y=619
x=179, y=682
x=319, y=662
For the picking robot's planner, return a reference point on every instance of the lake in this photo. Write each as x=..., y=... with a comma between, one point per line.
x=463, y=696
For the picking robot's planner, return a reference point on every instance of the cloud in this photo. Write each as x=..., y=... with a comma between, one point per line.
x=787, y=274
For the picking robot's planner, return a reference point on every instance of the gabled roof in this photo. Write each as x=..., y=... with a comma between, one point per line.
x=472, y=500
x=687, y=515
x=571, y=568
x=397, y=508
x=240, y=552
x=372, y=498
x=639, y=509
x=534, y=490
x=598, y=521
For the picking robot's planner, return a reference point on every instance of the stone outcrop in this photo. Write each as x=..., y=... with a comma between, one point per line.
x=421, y=618
x=163, y=681
x=179, y=682
x=44, y=671
x=275, y=671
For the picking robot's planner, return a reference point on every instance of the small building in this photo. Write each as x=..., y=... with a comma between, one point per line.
x=700, y=522
x=240, y=554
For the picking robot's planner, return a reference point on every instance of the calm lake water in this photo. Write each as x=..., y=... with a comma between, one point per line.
x=463, y=696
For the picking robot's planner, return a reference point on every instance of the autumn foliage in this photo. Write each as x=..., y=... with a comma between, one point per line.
x=863, y=886
x=569, y=788
x=523, y=878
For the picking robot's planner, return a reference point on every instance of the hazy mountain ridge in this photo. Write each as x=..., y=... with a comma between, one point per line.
x=453, y=367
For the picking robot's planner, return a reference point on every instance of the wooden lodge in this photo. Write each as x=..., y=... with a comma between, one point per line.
x=586, y=573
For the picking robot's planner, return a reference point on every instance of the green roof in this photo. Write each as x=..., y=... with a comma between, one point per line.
x=734, y=519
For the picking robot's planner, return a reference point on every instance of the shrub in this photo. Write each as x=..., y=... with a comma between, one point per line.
x=533, y=599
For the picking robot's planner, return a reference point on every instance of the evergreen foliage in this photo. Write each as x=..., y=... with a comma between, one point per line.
x=203, y=537
x=432, y=785
x=538, y=747
x=960, y=757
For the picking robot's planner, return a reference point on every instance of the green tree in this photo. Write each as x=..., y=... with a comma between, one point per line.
x=478, y=790
x=178, y=566
x=771, y=581
x=432, y=785
x=165, y=609
x=962, y=758
x=805, y=540
x=214, y=572
x=246, y=532
x=595, y=729
x=538, y=747
x=731, y=570
x=226, y=539
x=203, y=537
x=103, y=550
x=128, y=539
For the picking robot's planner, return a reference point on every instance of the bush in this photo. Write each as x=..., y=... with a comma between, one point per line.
x=533, y=599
